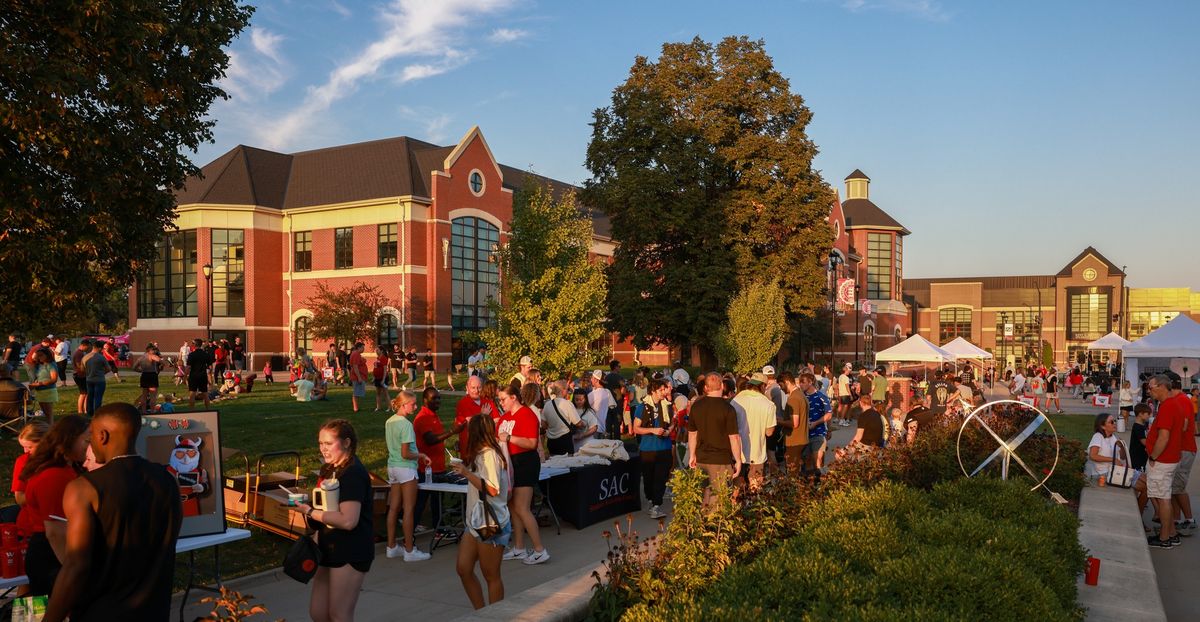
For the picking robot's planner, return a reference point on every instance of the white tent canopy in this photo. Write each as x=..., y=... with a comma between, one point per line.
x=1111, y=341
x=915, y=349
x=963, y=349
x=1179, y=338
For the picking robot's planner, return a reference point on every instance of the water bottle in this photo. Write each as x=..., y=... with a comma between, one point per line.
x=428, y=474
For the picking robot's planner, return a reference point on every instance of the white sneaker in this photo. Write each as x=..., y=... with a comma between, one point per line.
x=656, y=512
x=395, y=551
x=512, y=554
x=538, y=557
x=416, y=555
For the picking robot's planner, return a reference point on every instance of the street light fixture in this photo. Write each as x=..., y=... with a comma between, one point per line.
x=208, y=286
x=834, y=261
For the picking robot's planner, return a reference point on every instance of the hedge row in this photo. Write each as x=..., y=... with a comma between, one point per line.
x=969, y=549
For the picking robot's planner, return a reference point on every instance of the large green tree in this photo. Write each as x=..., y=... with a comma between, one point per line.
x=552, y=292
x=702, y=163
x=98, y=103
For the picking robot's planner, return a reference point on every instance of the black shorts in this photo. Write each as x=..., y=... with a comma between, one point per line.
x=149, y=380
x=526, y=469
x=80, y=383
x=197, y=384
x=378, y=383
x=362, y=567
x=846, y=400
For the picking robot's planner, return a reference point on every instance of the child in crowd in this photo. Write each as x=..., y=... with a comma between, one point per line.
x=168, y=405
x=1137, y=453
x=267, y=377
x=1125, y=401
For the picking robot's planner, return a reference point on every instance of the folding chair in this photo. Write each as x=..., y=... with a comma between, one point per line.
x=16, y=424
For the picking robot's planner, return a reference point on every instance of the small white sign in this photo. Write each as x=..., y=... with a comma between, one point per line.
x=1009, y=329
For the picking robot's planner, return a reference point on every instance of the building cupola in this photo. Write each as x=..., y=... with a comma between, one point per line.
x=857, y=185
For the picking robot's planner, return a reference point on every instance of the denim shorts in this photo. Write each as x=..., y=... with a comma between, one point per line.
x=360, y=389
x=501, y=539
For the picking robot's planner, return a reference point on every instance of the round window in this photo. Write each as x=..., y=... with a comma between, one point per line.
x=476, y=181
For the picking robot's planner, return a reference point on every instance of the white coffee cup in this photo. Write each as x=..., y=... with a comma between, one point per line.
x=325, y=496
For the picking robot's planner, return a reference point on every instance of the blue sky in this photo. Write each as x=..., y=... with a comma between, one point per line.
x=1007, y=136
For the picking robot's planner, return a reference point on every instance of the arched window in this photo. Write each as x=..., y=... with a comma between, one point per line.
x=475, y=279
x=301, y=336
x=389, y=330
x=868, y=353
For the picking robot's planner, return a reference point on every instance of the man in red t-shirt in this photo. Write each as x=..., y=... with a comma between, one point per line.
x=1181, y=502
x=469, y=406
x=358, y=374
x=431, y=436
x=1164, y=445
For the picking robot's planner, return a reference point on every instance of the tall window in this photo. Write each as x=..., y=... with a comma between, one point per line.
x=387, y=244
x=343, y=248
x=1088, y=310
x=301, y=335
x=302, y=246
x=954, y=322
x=389, y=330
x=1142, y=323
x=169, y=290
x=899, y=264
x=1016, y=337
x=868, y=353
x=229, y=273
x=475, y=278
x=879, y=266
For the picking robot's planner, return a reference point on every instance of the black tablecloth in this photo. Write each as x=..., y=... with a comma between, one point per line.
x=590, y=494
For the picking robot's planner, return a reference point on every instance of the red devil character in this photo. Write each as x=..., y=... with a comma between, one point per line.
x=184, y=466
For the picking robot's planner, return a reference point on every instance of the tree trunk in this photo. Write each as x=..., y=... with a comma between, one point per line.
x=708, y=357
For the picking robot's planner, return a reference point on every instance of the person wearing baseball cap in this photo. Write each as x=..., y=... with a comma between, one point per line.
x=775, y=447
x=524, y=365
x=756, y=422
x=600, y=399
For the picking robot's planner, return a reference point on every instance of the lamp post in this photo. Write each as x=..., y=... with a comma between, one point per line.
x=834, y=261
x=208, y=288
x=857, y=323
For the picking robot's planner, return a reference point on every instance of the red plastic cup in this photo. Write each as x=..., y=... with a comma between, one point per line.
x=10, y=563
x=1092, y=577
x=8, y=535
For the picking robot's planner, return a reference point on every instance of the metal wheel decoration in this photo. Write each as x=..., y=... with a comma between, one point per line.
x=1007, y=450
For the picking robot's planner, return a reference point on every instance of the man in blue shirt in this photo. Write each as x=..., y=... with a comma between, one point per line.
x=820, y=412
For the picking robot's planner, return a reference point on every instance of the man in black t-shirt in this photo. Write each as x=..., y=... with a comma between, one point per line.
x=713, y=440
x=870, y=425
x=12, y=353
x=917, y=420
x=939, y=393
x=198, y=363
x=122, y=524
x=430, y=378
x=238, y=354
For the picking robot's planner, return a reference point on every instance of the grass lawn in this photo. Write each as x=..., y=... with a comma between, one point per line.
x=268, y=419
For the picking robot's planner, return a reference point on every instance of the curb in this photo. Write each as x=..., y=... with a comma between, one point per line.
x=564, y=599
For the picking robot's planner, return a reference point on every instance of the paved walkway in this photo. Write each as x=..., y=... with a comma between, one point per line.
x=1179, y=568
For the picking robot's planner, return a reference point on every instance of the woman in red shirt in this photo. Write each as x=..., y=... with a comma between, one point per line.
x=57, y=460
x=518, y=430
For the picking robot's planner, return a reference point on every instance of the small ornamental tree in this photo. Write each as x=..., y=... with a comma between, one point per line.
x=552, y=294
x=755, y=327
x=346, y=315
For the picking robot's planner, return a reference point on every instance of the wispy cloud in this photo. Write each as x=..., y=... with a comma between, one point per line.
x=931, y=10
x=340, y=8
x=430, y=35
x=433, y=123
x=258, y=71
x=507, y=35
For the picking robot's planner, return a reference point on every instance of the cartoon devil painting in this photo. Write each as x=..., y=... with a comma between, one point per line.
x=184, y=466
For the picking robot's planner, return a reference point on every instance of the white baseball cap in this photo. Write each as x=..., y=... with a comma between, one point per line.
x=597, y=374
x=768, y=370
x=680, y=376
x=525, y=360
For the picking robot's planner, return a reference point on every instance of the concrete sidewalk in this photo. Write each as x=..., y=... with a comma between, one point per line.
x=1179, y=568
x=1110, y=530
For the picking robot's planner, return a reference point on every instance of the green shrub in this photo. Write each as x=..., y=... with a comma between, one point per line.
x=970, y=549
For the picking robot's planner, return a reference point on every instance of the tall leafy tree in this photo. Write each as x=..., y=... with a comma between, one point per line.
x=702, y=163
x=348, y=314
x=552, y=292
x=98, y=101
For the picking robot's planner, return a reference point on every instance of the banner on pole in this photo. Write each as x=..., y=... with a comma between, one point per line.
x=845, y=292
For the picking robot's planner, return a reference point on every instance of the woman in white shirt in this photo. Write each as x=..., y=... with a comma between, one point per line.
x=1101, y=449
x=590, y=422
x=487, y=468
